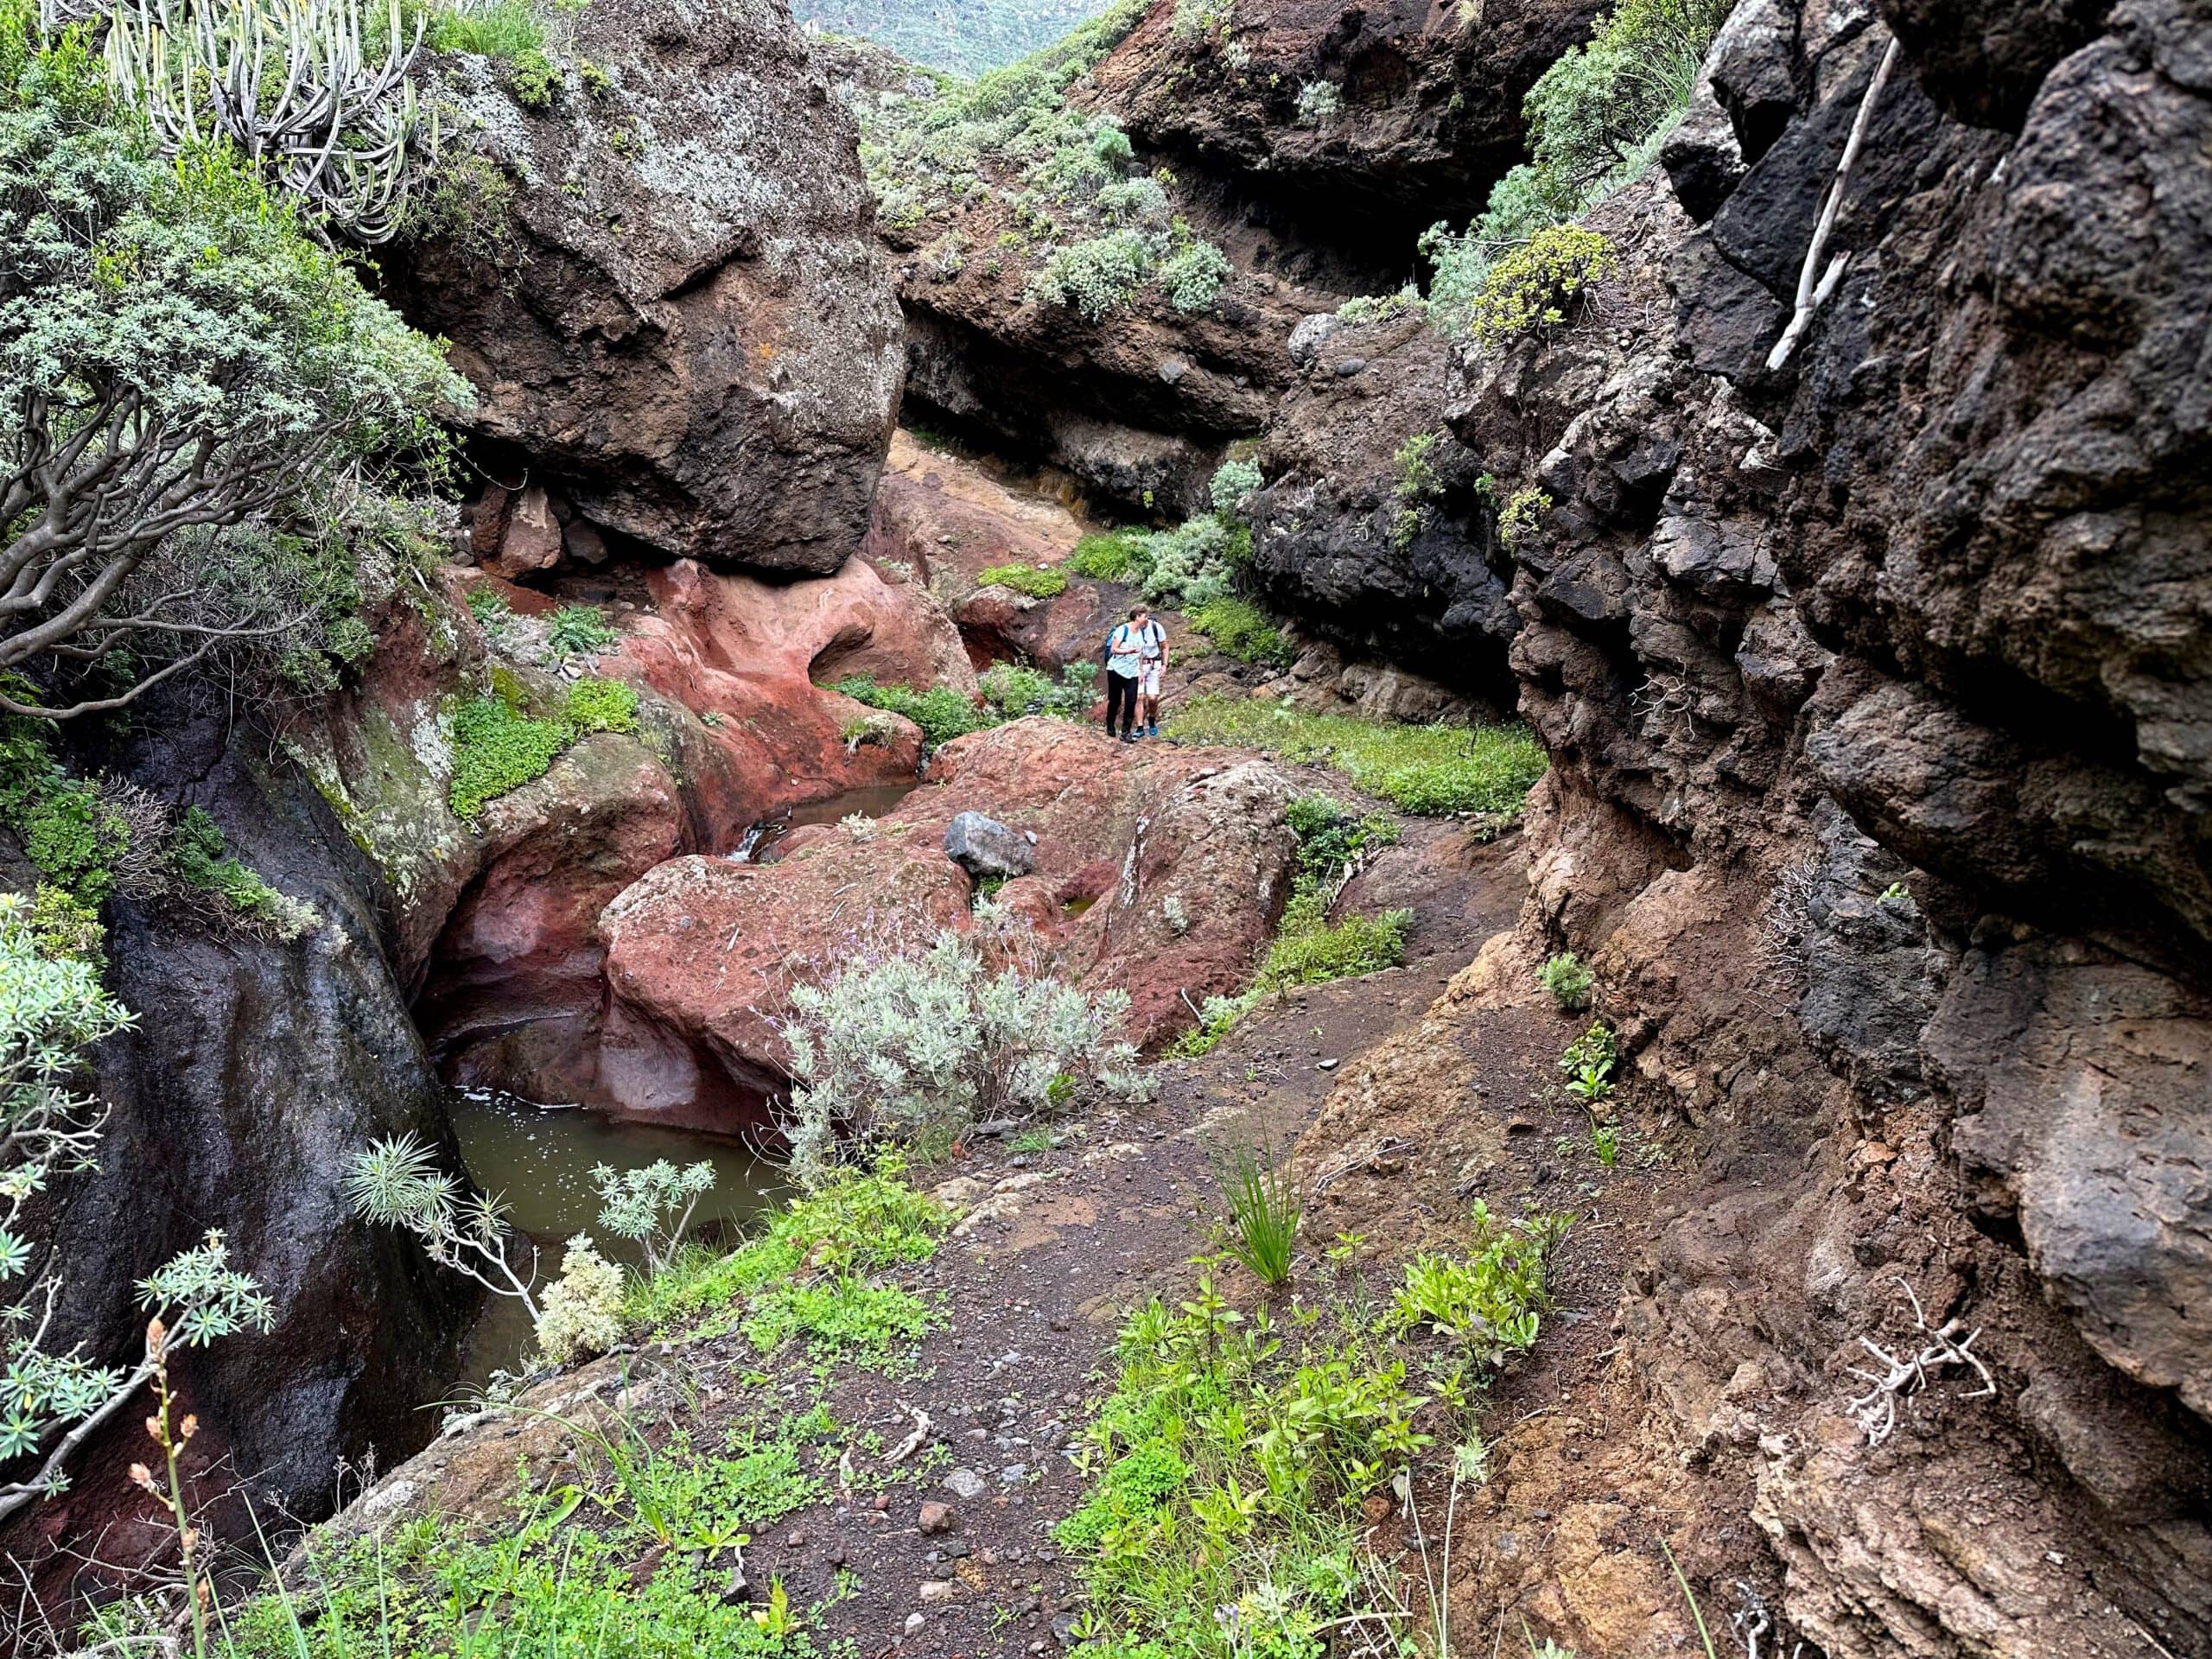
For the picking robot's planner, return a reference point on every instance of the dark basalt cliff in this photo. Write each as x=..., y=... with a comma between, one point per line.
x=1875, y=684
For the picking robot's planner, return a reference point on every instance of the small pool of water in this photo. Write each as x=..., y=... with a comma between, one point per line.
x=871, y=801
x=540, y=1160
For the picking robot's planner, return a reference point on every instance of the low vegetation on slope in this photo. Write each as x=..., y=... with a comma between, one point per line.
x=1230, y=1462
x=1001, y=171
x=1429, y=771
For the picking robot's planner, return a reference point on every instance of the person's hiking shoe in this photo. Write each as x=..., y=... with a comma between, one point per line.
x=1128, y=737
x=1152, y=731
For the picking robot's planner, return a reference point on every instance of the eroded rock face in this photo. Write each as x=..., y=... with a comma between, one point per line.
x=946, y=520
x=1421, y=114
x=255, y=1071
x=1155, y=871
x=1873, y=682
x=679, y=319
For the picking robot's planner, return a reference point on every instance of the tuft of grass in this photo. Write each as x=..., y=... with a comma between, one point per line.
x=1026, y=579
x=1240, y=629
x=1567, y=981
x=1263, y=1212
x=1429, y=771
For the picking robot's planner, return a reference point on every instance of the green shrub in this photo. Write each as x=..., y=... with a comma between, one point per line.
x=911, y=1048
x=1191, y=273
x=534, y=78
x=1567, y=981
x=1489, y=1304
x=1310, y=950
x=1416, y=474
x=1233, y=484
x=1333, y=837
x=1113, y=557
x=1026, y=579
x=1240, y=629
x=1010, y=691
x=600, y=705
x=1596, y=119
x=497, y=748
x=942, y=713
x=1588, y=1063
x=1429, y=771
x=579, y=630
x=1535, y=285
x=70, y=834
x=1520, y=514
x=489, y=606
x=1096, y=276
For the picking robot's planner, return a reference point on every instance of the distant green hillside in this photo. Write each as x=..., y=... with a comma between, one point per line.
x=965, y=37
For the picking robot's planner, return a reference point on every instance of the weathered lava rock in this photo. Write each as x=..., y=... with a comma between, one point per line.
x=678, y=312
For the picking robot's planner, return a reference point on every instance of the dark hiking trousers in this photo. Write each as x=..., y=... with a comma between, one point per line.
x=1120, y=703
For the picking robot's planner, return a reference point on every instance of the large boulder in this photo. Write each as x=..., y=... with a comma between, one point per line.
x=665, y=289
x=1157, y=872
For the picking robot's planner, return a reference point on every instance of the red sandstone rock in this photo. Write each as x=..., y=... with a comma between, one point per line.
x=701, y=953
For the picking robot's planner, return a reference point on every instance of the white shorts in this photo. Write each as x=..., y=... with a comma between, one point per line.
x=1148, y=680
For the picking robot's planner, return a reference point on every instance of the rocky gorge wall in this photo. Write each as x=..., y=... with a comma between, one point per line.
x=1873, y=682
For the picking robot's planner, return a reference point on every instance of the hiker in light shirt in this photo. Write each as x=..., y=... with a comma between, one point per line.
x=1127, y=648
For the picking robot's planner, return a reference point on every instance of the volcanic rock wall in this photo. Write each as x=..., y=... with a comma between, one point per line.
x=1875, y=678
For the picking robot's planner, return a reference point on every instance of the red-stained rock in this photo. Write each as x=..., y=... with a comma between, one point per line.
x=751, y=655
x=530, y=538
x=513, y=996
x=702, y=952
x=947, y=520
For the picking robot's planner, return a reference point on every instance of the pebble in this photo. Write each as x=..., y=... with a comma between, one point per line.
x=914, y=1622
x=1327, y=1065
x=936, y=1590
x=966, y=1483
x=938, y=1517
x=798, y=1540
x=1013, y=1474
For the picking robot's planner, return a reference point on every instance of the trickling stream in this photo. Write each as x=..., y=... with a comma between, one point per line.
x=540, y=1160
x=869, y=801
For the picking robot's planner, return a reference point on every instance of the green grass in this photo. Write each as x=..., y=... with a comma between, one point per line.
x=1310, y=950
x=1026, y=579
x=558, y=1576
x=1263, y=1210
x=1110, y=558
x=1228, y=1466
x=1240, y=629
x=1429, y=771
x=848, y=1234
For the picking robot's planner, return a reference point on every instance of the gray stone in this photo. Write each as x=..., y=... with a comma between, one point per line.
x=984, y=847
x=1308, y=339
x=966, y=1483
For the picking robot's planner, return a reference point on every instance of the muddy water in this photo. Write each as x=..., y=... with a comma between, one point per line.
x=541, y=1158
x=871, y=802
